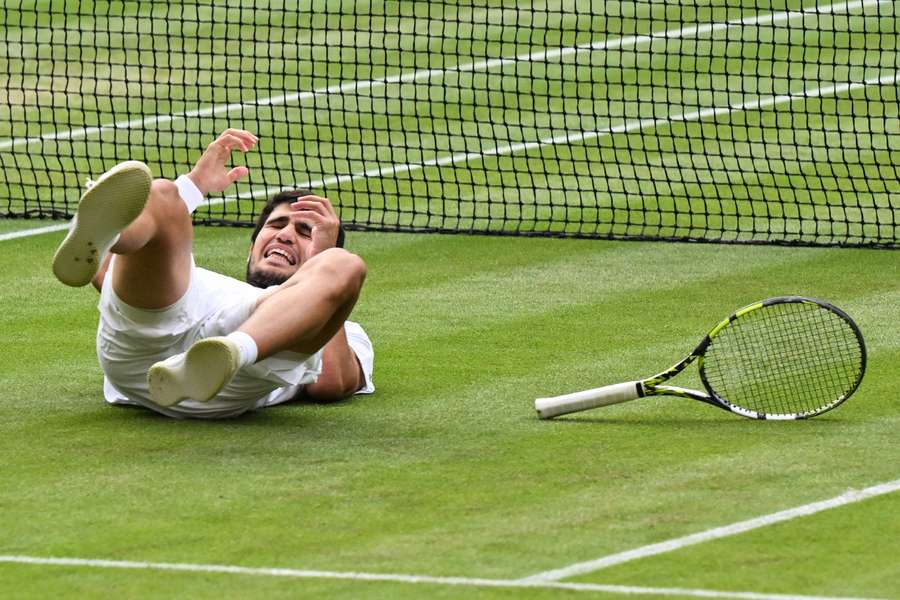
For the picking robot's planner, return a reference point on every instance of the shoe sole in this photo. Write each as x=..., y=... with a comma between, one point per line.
x=207, y=367
x=114, y=201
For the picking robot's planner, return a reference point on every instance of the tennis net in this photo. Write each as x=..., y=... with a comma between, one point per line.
x=735, y=121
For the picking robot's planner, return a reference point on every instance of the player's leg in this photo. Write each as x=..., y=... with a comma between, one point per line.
x=309, y=308
x=106, y=208
x=153, y=266
x=145, y=222
x=153, y=269
x=147, y=226
x=300, y=316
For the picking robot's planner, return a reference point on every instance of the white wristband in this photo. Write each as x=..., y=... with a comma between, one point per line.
x=189, y=192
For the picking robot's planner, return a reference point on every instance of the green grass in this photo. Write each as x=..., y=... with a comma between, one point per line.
x=815, y=169
x=16, y=225
x=446, y=470
x=808, y=560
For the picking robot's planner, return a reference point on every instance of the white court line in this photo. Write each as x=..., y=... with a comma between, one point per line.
x=627, y=127
x=34, y=231
x=416, y=76
x=571, y=138
x=713, y=534
x=568, y=138
x=546, y=580
x=397, y=578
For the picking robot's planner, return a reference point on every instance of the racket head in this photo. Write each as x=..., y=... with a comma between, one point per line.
x=789, y=357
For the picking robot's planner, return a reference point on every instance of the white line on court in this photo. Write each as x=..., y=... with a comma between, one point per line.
x=35, y=231
x=424, y=75
x=627, y=127
x=713, y=534
x=571, y=138
x=547, y=579
x=397, y=578
x=567, y=138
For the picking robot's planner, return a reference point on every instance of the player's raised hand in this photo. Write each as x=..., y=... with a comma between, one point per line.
x=212, y=174
x=323, y=222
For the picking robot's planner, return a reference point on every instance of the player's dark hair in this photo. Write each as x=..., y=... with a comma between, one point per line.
x=285, y=198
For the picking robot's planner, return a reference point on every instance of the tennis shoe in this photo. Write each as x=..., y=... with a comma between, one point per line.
x=107, y=206
x=198, y=374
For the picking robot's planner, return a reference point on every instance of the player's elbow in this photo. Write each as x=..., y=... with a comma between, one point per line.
x=332, y=388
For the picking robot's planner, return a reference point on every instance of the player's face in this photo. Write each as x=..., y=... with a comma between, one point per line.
x=280, y=248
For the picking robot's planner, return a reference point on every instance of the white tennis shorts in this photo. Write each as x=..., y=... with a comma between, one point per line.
x=130, y=340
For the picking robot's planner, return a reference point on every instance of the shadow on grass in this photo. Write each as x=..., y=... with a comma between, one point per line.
x=292, y=414
x=732, y=421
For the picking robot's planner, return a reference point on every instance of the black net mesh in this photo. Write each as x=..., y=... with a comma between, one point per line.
x=734, y=121
x=785, y=358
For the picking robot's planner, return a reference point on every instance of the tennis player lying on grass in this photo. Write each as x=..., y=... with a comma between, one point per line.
x=187, y=342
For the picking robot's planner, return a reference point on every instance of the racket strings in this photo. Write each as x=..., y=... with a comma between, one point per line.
x=787, y=362
x=805, y=365
x=785, y=359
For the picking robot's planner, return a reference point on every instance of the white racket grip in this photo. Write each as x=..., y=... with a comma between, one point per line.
x=602, y=396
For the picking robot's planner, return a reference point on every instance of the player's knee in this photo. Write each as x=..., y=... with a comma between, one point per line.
x=165, y=201
x=163, y=188
x=354, y=272
x=354, y=269
x=345, y=271
x=348, y=270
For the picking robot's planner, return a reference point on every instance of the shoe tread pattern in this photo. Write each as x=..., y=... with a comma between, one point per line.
x=108, y=207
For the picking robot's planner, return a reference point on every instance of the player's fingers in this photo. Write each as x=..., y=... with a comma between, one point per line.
x=304, y=208
x=314, y=203
x=248, y=138
x=227, y=142
x=310, y=201
x=311, y=217
x=237, y=173
x=223, y=144
x=309, y=221
x=317, y=218
x=240, y=132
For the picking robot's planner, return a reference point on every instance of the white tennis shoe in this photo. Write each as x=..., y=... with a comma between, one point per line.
x=107, y=207
x=198, y=374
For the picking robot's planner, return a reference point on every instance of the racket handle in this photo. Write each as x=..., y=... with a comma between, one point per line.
x=602, y=396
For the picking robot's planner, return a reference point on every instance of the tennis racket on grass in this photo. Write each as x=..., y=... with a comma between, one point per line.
x=783, y=358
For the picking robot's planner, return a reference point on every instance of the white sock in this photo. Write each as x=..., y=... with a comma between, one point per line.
x=189, y=192
x=247, y=346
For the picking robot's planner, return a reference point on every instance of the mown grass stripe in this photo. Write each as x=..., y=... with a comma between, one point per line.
x=543, y=55
x=576, y=137
x=397, y=578
x=849, y=497
x=36, y=231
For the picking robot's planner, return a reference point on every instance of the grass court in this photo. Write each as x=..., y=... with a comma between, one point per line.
x=444, y=484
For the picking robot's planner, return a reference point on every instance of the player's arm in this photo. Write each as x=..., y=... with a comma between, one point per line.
x=320, y=220
x=211, y=174
x=342, y=375
x=97, y=281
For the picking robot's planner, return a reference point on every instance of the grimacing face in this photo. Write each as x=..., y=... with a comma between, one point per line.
x=280, y=248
